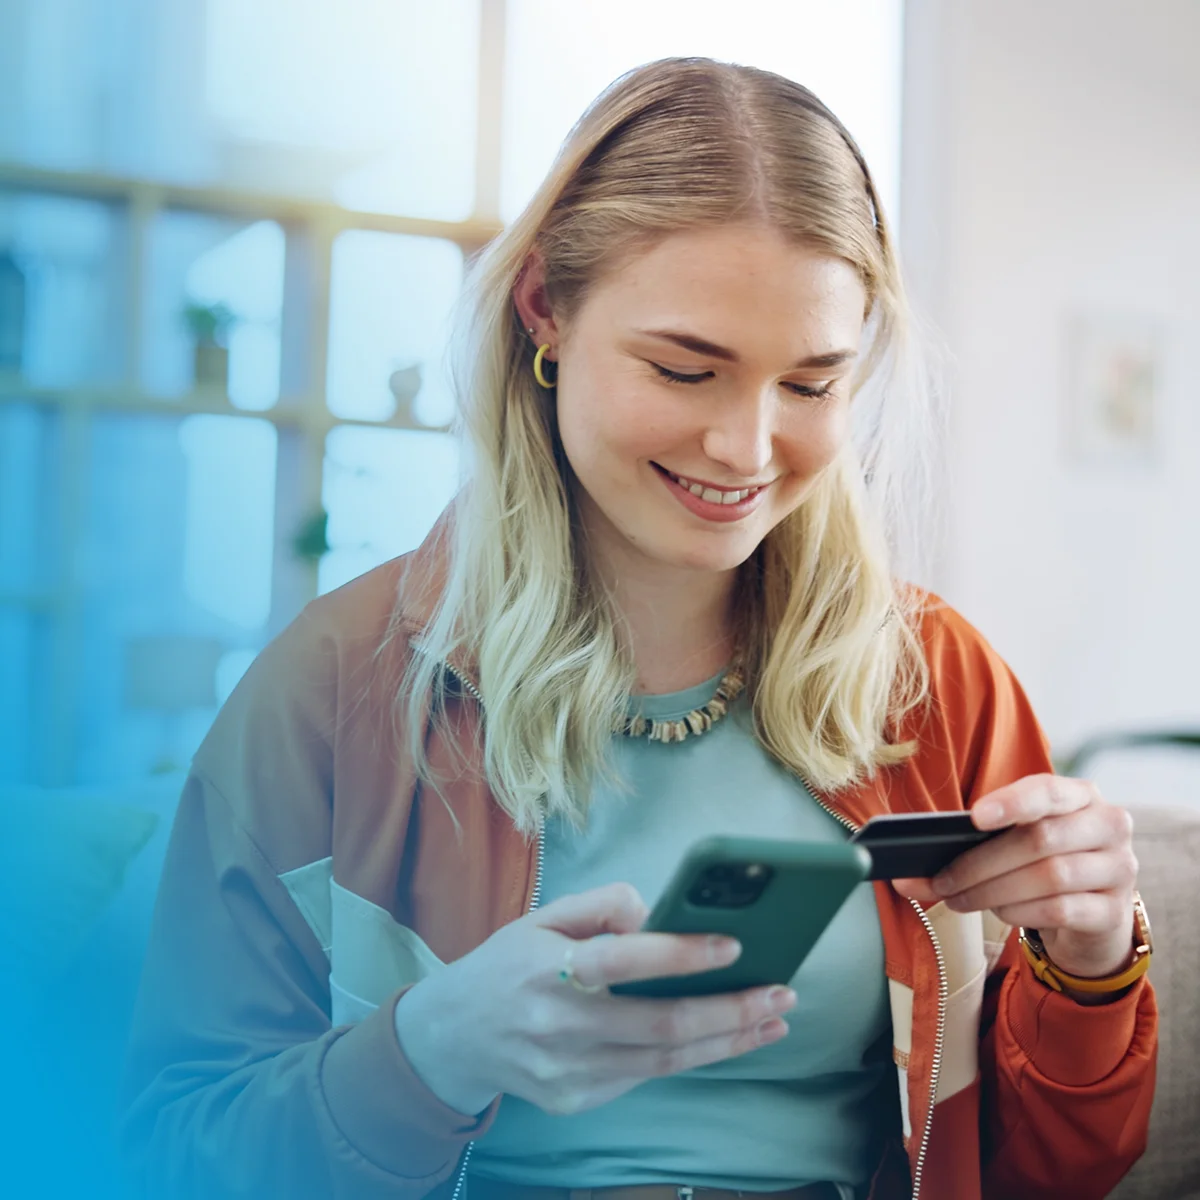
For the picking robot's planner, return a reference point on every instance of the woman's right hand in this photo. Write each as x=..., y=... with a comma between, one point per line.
x=500, y=1019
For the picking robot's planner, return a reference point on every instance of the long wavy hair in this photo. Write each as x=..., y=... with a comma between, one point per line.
x=829, y=639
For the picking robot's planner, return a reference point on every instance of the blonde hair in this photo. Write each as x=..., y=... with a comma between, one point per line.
x=833, y=660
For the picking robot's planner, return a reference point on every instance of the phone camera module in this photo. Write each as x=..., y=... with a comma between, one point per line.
x=723, y=886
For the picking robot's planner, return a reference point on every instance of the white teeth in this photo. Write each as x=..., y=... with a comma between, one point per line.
x=712, y=495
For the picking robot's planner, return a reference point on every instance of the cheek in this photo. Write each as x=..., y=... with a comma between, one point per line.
x=813, y=440
x=580, y=414
x=606, y=422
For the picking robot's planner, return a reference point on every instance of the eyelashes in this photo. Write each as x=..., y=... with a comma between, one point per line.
x=679, y=377
x=797, y=389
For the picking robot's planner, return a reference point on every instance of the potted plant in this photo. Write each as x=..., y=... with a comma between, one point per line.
x=209, y=325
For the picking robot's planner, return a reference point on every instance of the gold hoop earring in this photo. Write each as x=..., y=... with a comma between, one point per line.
x=538, y=359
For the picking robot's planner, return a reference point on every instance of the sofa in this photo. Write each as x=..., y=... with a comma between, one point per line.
x=84, y=883
x=1167, y=844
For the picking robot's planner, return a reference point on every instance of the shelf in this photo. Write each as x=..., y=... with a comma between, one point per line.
x=308, y=413
x=249, y=205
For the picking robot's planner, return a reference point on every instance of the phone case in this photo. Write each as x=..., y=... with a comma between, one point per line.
x=809, y=882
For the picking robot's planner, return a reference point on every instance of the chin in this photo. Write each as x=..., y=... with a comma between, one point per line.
x=706, y=553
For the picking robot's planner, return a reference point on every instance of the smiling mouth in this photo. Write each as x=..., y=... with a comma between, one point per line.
x=709, y=493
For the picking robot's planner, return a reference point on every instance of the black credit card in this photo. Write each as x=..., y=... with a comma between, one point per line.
x=917, y=845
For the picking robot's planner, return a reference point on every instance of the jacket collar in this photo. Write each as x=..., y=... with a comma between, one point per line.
x=421, y=585
x=424, y=575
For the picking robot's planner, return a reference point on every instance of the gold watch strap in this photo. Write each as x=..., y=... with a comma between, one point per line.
x=1055, y=977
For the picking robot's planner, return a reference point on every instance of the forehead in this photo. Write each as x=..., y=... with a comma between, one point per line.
x=746, y=283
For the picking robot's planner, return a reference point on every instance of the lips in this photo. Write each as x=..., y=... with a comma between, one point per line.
x=720, y=505
x=710, y=493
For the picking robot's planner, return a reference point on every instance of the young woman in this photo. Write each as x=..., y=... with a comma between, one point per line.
x=420, y=840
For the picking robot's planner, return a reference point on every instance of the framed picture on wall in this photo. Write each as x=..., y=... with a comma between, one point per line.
x=1114, y=385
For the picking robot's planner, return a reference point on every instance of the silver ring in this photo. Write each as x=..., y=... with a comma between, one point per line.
x=567, y=973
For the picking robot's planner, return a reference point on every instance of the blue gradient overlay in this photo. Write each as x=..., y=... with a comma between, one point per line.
x=224, y=391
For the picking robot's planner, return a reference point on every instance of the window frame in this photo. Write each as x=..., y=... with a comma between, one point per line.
x=301, y=416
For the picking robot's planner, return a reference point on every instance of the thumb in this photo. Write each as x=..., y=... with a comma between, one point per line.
x=614, y=908
x=918, y=890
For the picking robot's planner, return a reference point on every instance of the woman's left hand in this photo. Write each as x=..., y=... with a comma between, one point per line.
x=1066, y=867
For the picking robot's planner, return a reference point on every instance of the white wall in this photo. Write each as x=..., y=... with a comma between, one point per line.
x=1052, y=166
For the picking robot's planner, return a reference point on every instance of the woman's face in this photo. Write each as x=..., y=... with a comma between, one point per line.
x=703, y=388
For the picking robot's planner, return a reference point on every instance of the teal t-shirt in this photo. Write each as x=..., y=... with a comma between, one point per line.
x=795, y=1112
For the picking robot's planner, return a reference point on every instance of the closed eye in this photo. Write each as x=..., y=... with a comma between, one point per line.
x=798, y=389
x=814, y=393
x=679, y=377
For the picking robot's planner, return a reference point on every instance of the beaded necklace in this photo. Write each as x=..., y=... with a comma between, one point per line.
x=698, y=721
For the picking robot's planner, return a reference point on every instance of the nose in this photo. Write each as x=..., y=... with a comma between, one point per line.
x=741, y=435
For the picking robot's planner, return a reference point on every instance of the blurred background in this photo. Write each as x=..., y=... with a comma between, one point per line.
x=231, y=233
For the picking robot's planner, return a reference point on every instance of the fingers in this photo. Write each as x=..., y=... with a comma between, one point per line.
x=614, y=908
x=668, y=1059
x=1097, y=827
x=1064, y=878
x=1097, y=913
x=920, y=890
x=563, y=1087
x=673, y=1024
x=1032, y=798
x=610, y=960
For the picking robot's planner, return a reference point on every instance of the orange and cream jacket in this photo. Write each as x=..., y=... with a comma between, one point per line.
x=311, y=878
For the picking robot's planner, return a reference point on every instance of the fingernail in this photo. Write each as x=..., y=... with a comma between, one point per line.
x=723, y=949
x=986, y=814
x=943, y=884
x=781, y=998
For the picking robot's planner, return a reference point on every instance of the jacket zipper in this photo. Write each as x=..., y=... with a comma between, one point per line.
x=943, y=982
x=534, y=901
x=465, y=682
x=943, y=993
x=938, y=1043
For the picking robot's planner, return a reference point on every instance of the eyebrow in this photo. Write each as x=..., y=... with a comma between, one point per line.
x=835, y=358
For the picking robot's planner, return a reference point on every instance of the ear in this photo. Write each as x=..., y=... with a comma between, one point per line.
x=529, y=297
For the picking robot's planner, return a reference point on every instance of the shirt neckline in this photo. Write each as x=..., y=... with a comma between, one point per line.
x=671, y=706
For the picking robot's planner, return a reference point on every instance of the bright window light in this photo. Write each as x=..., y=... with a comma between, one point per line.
x=382, y=93
x=560, y=56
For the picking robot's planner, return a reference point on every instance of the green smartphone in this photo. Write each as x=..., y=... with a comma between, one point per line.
x=775, y=896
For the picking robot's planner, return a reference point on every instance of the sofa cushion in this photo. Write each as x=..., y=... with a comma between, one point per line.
x=63, y=859
x=1167, y=844
x=79, y=868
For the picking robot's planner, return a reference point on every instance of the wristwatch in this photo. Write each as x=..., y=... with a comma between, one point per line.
x=1058, y=979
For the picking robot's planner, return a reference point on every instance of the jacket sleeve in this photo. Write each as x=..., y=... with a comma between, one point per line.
x=236, y=1085
x=1067, y=1088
